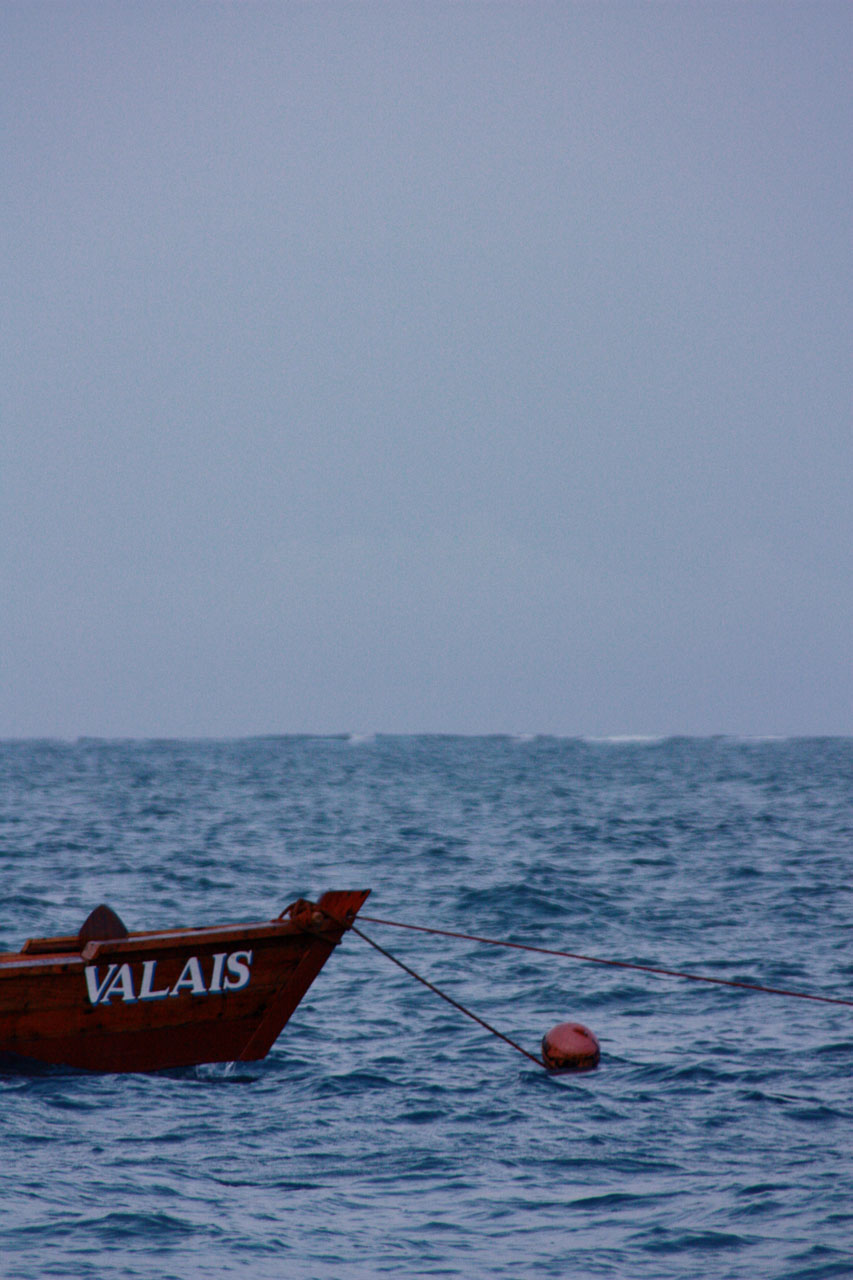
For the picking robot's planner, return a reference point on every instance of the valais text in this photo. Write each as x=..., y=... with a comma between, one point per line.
x=133, y=982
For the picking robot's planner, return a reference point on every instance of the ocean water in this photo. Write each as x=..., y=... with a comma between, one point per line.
x=387, y=1135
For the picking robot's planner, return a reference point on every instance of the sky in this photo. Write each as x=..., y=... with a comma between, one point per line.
x=426, y=367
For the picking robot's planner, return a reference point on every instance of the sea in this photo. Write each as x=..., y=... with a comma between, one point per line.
x=386, y=1133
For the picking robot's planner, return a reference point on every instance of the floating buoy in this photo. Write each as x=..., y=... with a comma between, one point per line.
x=570, y=1047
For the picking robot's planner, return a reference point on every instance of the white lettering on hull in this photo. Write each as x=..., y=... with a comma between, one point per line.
x=190, y=979
x=228, y=973
x=146, y=991
x=238, y=970
x=216, y=978
x=122, y=984
x=96, y=990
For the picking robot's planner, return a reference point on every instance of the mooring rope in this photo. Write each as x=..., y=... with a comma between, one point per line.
x=618, y=964
x=432, y=987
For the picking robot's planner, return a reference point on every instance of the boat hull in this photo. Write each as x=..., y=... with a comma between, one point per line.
x=177, y=998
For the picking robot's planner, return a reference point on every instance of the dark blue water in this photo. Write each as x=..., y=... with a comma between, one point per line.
x=386, y=1135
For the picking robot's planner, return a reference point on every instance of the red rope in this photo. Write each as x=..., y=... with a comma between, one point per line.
x=618, y=964
x=461, y=1007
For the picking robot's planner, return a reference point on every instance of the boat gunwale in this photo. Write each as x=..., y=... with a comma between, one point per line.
x=172, y=939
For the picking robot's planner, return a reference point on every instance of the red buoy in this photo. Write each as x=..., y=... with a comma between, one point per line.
x=570, y=1047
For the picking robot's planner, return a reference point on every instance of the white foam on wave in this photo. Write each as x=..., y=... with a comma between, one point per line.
x=621, y=739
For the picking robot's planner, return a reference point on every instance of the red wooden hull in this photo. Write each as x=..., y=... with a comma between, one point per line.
x=148, y=1001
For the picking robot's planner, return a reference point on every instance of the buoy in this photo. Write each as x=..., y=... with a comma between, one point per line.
x=570, y=1047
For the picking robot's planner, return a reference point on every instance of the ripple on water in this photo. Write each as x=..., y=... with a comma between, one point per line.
x=385, y=1135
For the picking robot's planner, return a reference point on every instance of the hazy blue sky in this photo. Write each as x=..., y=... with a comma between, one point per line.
x=465, y=367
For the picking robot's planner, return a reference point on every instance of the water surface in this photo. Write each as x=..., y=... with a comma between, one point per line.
x=387, y=1135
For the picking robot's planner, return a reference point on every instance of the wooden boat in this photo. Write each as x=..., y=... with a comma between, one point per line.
x=108, y=1000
